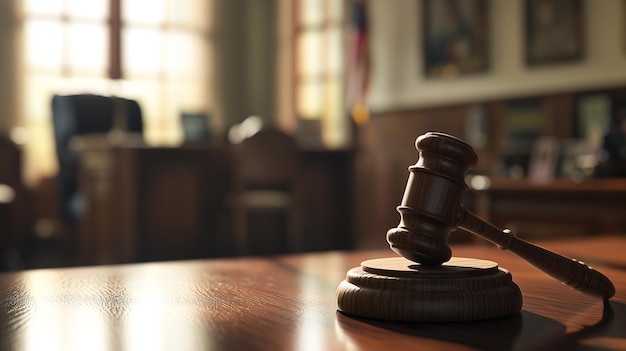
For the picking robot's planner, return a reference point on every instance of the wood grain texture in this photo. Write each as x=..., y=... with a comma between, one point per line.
x=288, y=303
x=396, y=289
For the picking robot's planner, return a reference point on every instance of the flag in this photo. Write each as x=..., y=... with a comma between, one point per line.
x=358, y=63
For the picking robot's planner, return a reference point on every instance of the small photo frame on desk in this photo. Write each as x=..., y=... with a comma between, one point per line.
x=593, y=116
x=524, y=122
x=195, y=127
x=554, y=31
x=455, y=37
x=544, y=159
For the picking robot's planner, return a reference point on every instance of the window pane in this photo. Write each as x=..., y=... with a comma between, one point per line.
x=185, y=53
x=40, y=88
x=92, y=9
x=334, y=50
x=311, y=12
x=88, y=47
x=335, y=123
x=320, y=66
x=148, y=97
x=142, y=51
x=190, y=13
x=44, y=43
x=144, y=11
x=43, y=7
x=333, y=97
x=310, y=99
x=310, y=53
x=191, y=96
x=39, y=152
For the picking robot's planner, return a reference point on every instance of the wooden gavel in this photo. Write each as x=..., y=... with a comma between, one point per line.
x=431, y=208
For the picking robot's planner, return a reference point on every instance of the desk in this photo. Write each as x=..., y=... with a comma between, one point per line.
x=152, y=203
x=288, y=302
x=147, y=203
x=558, y=207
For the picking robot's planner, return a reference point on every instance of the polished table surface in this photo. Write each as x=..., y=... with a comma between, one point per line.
x=288, y=303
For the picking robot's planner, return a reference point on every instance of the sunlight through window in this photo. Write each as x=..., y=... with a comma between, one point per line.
x=162, y=57
x=320, y=68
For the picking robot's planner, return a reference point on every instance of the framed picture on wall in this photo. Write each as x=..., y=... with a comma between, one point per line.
x=554, y=31
x=455, y=37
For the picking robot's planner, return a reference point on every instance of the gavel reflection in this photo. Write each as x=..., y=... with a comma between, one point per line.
x=431, y=208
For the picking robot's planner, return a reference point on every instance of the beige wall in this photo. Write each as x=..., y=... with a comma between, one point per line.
x=245, y=79
x=397, y=81
x=245, y=43
x=9, y=85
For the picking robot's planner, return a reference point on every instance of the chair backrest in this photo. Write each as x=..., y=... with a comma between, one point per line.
x=268, y=159
x=81, y=114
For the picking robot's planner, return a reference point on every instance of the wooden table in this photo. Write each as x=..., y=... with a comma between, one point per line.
x=288, y=302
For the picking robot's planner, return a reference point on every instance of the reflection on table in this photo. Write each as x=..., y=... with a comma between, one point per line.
x=288, y=303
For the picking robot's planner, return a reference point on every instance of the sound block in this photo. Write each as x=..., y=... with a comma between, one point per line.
x=396, y=289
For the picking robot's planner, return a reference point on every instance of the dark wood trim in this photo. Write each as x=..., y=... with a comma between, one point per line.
x=115, y=34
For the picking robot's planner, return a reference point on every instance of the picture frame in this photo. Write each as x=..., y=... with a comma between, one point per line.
x=524, y=122
x=195, y=126
x=593, y=117
x=455, y=38
x=544, y=159
x=554, y=31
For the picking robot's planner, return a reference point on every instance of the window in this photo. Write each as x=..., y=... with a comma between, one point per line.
x=155, y=51
x=320, y=68
x=165, y=55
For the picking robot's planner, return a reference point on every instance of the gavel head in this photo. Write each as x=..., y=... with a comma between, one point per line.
x=431, y=205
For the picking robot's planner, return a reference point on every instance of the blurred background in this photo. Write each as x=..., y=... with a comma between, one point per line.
x=136, y=130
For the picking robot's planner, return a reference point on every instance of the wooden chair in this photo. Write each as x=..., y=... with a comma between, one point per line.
x=265, y=187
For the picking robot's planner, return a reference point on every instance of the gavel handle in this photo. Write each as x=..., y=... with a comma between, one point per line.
x=573, y=273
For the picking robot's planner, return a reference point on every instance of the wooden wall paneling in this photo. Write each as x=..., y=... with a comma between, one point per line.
x=562, y=114
x=325, y=199
x=385, y=150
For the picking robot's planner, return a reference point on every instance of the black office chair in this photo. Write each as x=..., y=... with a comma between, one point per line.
x=82, y=114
